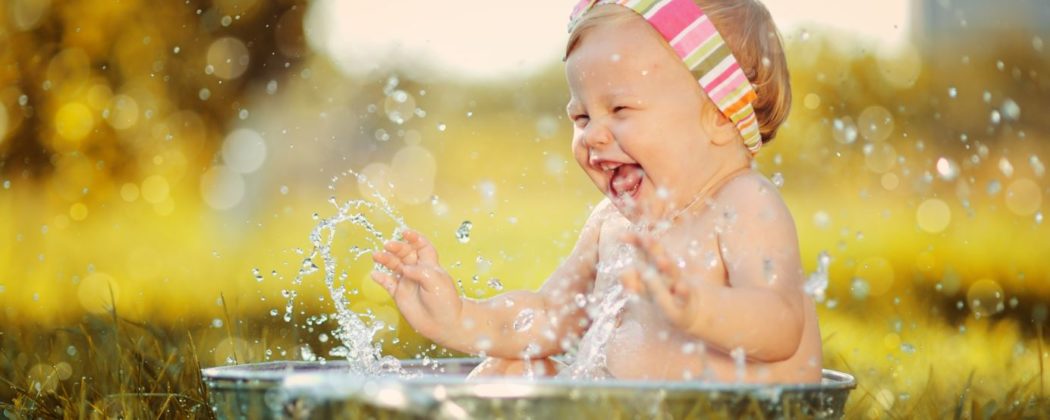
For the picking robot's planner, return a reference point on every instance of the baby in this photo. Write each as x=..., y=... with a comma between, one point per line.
x=690, y=268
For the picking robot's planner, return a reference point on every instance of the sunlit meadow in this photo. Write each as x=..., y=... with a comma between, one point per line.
x=163, y=163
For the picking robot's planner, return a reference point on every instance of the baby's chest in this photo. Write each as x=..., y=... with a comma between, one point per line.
x=693, y=248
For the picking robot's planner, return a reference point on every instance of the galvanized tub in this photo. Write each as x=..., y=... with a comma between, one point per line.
x=292, y=390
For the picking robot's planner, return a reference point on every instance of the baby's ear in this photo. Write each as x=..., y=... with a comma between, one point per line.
x=718, y=126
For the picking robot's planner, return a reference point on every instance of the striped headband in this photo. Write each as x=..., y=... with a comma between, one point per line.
x=696, y=41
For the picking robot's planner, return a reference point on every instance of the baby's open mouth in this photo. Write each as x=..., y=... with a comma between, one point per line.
x=626, y=180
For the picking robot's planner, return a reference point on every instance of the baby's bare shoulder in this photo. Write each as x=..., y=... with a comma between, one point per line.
x=751, y=194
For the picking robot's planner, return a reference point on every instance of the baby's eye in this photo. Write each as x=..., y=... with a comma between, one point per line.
x=619, y=108
x=581, y=119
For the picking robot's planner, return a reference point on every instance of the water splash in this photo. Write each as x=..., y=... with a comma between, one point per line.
x=817, y=284
x=590, y=360
x=356, y=336
x=524, y=320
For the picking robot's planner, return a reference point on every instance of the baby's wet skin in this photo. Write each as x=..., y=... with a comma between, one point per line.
x=713, y=268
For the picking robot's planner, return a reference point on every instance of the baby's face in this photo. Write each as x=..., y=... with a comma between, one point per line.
x=636, y=111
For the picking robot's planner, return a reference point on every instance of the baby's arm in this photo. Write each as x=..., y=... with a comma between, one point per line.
x=761, y=311
x=489, y=326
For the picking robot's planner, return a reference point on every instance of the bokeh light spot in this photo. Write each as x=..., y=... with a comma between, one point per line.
x=74, y=121
x=878, y=273
x=933, y=215
x=890, y=181
x=880, y=157
x=43, y=378
x=129, y=192
x=1023, y=197
x=122, y=112
x=222, y=188
x=412, y=171
x=399, y=106
x=78, y=212
x=985, y=298
x=26, y=14
x=228, y=58
x=94, y=293
x=244, y=150
x=376, y=175
x=875, y=123
x=155, y=189
x=812, y=101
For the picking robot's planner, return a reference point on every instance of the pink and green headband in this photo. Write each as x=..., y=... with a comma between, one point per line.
x=696, y=41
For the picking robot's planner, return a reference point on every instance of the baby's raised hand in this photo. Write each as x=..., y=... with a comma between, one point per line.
x=658, y=276
x=422, y=290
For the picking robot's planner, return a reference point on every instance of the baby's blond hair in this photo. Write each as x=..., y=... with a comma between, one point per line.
x=749, y=32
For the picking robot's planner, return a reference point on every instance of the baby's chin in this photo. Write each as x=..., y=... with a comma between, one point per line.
x=635, y=209
x=641, y=211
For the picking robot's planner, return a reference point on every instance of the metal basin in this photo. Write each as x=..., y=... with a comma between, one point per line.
x=280, y=390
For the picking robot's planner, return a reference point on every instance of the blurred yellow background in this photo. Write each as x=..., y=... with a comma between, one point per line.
x=162, y=162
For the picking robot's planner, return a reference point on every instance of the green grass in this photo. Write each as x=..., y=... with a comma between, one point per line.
x=122, y=368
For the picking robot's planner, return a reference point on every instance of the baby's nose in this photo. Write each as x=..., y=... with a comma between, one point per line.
x=596, y=134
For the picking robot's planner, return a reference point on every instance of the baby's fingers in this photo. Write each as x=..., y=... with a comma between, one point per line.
x=426, y=278
x=660, y=293
x=388, y=282
x=388, y=260
x=426, y=251
x=655, y=253
x=401, y=250
x=632, y=281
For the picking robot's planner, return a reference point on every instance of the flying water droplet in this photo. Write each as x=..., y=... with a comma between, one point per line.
x=495, y=284
x=953, y=92
x=1006, y=167
x=524, y=320
x=580, y=299
x=307, y=353
x=817, y=284
x=463, y=233
x=1011, y=110
x=947, y=169
x=859, y=288
x=1037, y=165
x=845, y=130
x=994, y=186
x=382, y=135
